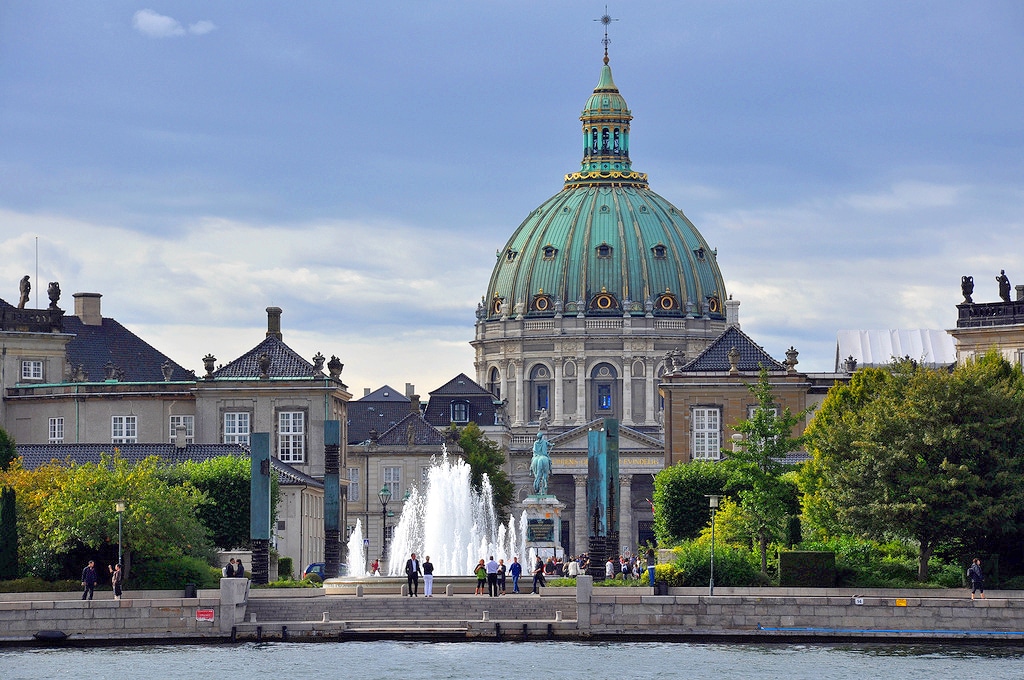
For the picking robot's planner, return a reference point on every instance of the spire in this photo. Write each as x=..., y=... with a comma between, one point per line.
x=605, y=121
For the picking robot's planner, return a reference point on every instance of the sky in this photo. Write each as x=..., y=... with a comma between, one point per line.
x=359, y=164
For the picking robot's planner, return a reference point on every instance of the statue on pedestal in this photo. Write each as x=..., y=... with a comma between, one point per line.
x=540, y=465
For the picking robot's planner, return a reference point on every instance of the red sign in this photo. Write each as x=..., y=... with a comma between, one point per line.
x=204, y=615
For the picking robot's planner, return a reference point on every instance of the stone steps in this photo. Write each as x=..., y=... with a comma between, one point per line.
x=406, y=609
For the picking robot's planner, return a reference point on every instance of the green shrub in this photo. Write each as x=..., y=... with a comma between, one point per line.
x=733, y=566
x=34, y=584
x=314, y=579
x=562, y=582
x=172, y=574
x=669, y=573
x=290, y=583
x=285, y=568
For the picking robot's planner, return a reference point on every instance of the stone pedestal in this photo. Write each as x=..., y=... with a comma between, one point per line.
x=543, y=524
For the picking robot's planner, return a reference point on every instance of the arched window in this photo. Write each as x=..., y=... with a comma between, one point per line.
x=494, y=383
x=540, y=390
x=460, y=411
x=605, y=390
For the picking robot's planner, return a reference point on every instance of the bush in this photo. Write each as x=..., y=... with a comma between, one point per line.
x=733, y=566
x=314, y=579
x=172, y=574
x=285, y=568
x=670, y=574
x=290, y=583
x=34, y=584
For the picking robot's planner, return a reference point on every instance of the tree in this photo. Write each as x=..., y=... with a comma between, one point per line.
x=8, y=513
x=224, y=482
x=680, y=506
x=484, y=457
x=757, y=467
x=64, y=507
x=918, y=454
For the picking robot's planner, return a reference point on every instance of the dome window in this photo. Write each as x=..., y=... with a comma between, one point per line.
x=643, y=209
x=542, y=303
x=660, y=252
x=604, y=302
x=700, y=253
x=605, y=208
x=510, y=255
x=714, y=305
x=550, y=252
x=604, y=251
x=496, y=304
x=667, y=302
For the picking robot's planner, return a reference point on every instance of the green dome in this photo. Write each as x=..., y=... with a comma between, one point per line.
x=606, y=244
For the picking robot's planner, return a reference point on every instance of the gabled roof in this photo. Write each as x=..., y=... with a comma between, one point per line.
x=422, y=432
x=284, y=362
x=94, y=346
x=379, y=410
x=461, y=385
x=35, y=455
x=715, y=358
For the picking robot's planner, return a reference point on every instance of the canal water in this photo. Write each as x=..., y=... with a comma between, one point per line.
x=529, y=660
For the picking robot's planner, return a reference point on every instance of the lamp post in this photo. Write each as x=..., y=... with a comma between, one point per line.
x=713, y=503
x=119, y=508
x=385, y=496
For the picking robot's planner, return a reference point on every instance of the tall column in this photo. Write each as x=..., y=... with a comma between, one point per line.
x=626, y=534
x=580, y=529
x=520, y=397
x=627, y=390
x=504, y=381
x=582, y=407
x=558, y=409
x=652, y=393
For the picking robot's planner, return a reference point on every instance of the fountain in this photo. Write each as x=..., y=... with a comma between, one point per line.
x=452, y=523
x=356, y=552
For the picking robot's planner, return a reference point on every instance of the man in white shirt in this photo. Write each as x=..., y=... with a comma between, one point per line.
x=492, y=577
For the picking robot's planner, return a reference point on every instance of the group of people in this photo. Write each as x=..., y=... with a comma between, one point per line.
x=413, y=569
x=490, y=575
x=90, y=578
x=233, y=569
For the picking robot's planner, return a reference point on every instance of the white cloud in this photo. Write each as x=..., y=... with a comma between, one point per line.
x=156, y=25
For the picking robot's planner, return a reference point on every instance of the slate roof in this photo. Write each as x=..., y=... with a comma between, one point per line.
x=715, y=358
x=460, y=388
x=94, y=346
x=284, y=362
x=424, y=434
x=379, y=411
x=35, y=455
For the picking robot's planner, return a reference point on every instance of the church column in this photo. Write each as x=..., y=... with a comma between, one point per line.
x=520, y=397
x=504, y=382
x=581, y=525
x=557, y=410
x=626, y=537
x=627, y=391
x=652, y=392
x=582, y=408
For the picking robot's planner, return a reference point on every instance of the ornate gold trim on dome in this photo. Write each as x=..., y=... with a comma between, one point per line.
x=631, y=177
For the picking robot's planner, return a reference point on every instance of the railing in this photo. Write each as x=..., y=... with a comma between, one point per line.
x=990, y=314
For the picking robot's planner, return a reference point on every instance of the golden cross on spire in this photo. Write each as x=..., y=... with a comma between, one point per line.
x=606, y=19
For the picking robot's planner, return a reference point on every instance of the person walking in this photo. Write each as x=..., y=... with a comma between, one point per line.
x=502, y=570
x=515, y=570
x=977, y=578
x=116, y=578
x=428, y=577
x=412, y=574
x=89, y=580
x=609, y=569
x=652, y=561
x=492, y=577
x=538, y=576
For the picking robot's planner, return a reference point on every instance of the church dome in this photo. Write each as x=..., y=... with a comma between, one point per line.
x=605, y=244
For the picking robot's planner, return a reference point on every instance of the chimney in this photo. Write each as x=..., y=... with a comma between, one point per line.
x=1020, y=292
x=414, y=399
x=179, y=437
x=87, y=308
x=366, y=391
x=274, y=322
x=732, y=313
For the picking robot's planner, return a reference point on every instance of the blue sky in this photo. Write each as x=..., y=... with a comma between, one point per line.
x=358, y=164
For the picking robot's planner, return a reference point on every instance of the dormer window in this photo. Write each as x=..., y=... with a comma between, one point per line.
x=660, y=252
x=700, y=253
x=550, y=252
x=510, y=255
x=604, y=251
x=460, y=411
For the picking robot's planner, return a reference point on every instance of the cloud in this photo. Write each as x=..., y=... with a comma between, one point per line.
x=156, y=25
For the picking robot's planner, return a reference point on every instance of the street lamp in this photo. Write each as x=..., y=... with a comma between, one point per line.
x=713, y=502
x=385, y=496
x=119, y=508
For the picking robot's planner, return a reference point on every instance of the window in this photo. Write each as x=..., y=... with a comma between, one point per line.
x=353, y=484
x=124, y=429
x=291, y=436
x=56, y=430
x=393, y=480
x=236, y=428
x=706, y=432
x=604, y=397
x=32, y=370
x=542, y=397
x=189, y=423
x=460, y=411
